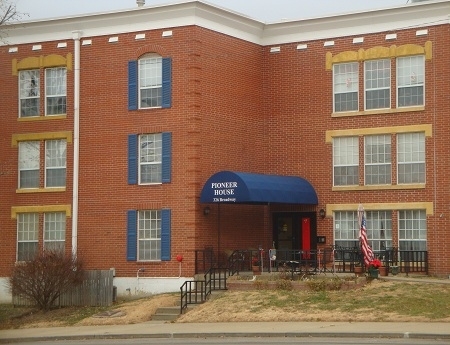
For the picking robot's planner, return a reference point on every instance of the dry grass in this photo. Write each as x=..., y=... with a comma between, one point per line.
x=376, y=301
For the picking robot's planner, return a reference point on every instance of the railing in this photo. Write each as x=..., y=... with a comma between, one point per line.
x=197, y=291
x=204, y=260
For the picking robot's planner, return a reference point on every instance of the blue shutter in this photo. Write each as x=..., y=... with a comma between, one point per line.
x=166, y=157
x=132, y=85
x=131, y=235
x=165, y=235
x=132, y=158
x=166, y=83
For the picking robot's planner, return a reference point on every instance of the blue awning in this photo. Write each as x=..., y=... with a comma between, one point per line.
x=246, y=188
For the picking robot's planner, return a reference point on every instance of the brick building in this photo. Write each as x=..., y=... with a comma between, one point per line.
x=119, y=129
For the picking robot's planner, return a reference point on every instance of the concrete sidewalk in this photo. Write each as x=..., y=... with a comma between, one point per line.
x=156, y=329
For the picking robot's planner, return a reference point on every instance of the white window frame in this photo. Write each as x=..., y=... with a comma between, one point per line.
x=150, y=81
x=55, y=159
x=346, y=82
x=346, y=155
x=150, y=157
x=55, y=231
x=346, y=229
x=411, y=78
x=379, y=229
x=55, y=90
x=411, y=152
x=377, y=158
x=29, y=92
x=412, y=230
x=27, y=236
x=377, y=80
x=149, y=235
x=29, y=162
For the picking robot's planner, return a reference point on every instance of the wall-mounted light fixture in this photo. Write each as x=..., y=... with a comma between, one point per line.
x=206, y=210
x=322, y=213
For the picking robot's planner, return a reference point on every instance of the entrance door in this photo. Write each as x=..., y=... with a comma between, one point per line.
x=295, y=231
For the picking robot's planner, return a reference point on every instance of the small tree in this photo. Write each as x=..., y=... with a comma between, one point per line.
x=44, y=278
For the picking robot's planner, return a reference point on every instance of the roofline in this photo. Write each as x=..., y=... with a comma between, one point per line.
x=203, y=14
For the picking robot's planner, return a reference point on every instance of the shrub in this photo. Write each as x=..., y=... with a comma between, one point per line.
x=283, y=284
x=45, y=277
x=332, y=284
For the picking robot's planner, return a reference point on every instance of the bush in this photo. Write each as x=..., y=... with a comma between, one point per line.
x=283, y=284
x=333, y=284
x=44, y=278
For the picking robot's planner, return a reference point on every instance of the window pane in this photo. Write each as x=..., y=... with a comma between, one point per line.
x=345, y=161
x=150, y=158
x=411, y=157
x=55, y=163
x=27, y=235
x=54, y=231
x=29, y=164
x=412, y=230
x=55, y=90
x=149, y=235
x=410, y=80
x=150, y=81
x=345, y=86
x=29, y=93
x=379, y=229
x=377, y=76
x=377, y=157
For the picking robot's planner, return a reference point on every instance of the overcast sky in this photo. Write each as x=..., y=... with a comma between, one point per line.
x=263, y=10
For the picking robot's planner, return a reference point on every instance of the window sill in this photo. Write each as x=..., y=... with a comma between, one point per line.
x=379, y=111
x=40, y=190
x=378, y=187
x=42, y=118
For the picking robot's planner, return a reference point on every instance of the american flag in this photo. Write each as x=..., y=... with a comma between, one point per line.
x=365, y=247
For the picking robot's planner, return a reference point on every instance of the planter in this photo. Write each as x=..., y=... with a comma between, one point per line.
x=373, y=273
x=256, y=271
x=383, y=271
x=359, y=270
x=395, y=270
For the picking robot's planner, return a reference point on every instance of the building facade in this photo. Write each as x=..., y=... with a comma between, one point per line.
x=112, y=125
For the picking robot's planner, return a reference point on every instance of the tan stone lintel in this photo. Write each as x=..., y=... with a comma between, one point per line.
x=42, y=118
x=379, y=53
x=40, y=190
x=36, y=62
x=428, y=206
x=378, y=187
x=16, y=138
x=427, y=128
x=379, y=111
x=40, y=209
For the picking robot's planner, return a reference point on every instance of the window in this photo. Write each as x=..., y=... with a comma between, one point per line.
x=55, y=91
x=410, y=81
x=27, y=236
x=150, y=152
x=149, y=158
x=346, y=229
x=148, y=235
x=412, y=227
x=379, y=229
x=345, y=86
x=54, y=231
x=150, y=82
x=29, y=164
x=55, y=163
x=411, y=157
x=377, y=159
x=29, y=93
x=345, y=161
x=377, y=80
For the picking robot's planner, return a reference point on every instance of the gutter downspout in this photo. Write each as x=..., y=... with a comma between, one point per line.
x=76, y=142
